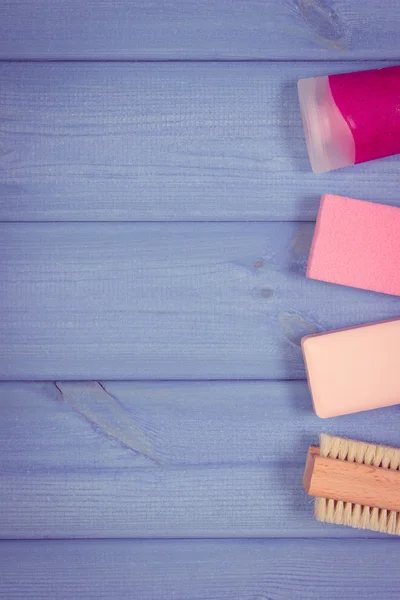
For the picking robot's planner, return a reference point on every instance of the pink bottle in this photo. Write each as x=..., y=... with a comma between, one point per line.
x=351, y=118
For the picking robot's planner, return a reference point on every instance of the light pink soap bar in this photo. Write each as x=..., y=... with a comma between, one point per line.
x=354, y=369
x=357, y=243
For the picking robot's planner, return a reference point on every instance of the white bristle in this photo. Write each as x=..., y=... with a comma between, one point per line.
x=360, y=452
x=355, y=515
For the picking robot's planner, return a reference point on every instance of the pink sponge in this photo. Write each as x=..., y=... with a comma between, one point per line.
x=357, y=243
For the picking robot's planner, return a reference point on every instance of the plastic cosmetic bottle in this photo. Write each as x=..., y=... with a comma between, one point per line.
x=351, y=118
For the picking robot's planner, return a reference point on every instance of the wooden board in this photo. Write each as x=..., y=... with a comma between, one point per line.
x=145, y=460
x=150, y=154
x=198, y=29
x=165, y=301
x=166, y=142
x=216, y=570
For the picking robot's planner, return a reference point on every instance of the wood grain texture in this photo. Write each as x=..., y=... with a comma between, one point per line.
x=142, y=460
x=166, y=142
x=204, y=29
x=202, y=141
x=216, y=570
x=165, y=301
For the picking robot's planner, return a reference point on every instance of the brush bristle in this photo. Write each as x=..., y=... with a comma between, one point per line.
x=359, y=452
x=356, y=515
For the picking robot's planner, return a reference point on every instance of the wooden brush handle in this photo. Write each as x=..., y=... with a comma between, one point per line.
x=351, y=482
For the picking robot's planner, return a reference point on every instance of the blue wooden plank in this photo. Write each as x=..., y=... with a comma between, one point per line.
x=118, y=424
x=243, y=570
x=165, y=301
x=125, y=459
x=193, y=142
x=203, y=29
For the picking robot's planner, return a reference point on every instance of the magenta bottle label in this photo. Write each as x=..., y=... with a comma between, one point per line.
x=370, y=103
